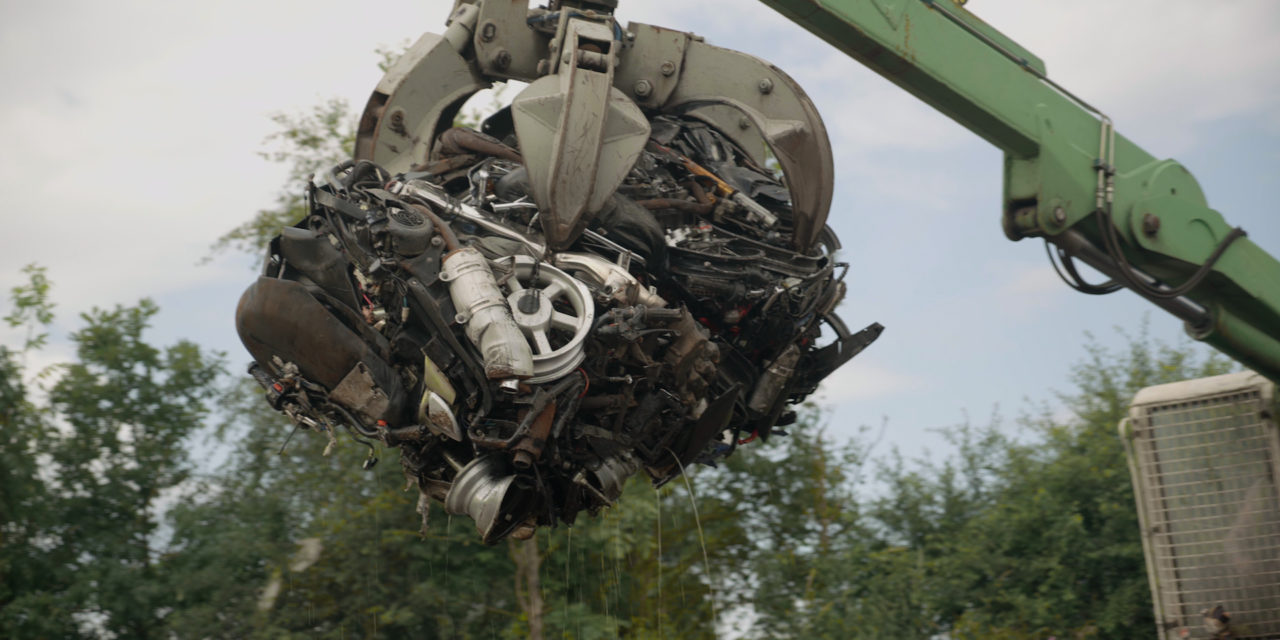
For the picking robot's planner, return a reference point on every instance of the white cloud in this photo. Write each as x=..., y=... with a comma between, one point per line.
x=131, y=148
x=1159, y=68
x=1034, y=281
x=861, y=380
x=1030, y=290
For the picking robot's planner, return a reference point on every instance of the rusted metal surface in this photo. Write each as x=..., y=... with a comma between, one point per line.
x=461, y=140
x=529, y=449
x=699, y=208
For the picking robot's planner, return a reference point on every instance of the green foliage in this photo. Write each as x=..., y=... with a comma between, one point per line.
x=637, y=570
x=26, y=578
x=129, y=410
x=32, y=307
x=794, y=501
x=1027, y=533
x=86, y=471
x=375, y=575
x=32, y=579
x=1036, y=539
x=387, y=55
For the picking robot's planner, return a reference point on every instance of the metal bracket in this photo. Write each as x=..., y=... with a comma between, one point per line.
x=578, y=134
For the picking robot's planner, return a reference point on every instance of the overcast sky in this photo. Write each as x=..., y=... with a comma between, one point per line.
x=131, y=129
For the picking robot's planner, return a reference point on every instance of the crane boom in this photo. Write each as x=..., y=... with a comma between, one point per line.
x=1068, y=177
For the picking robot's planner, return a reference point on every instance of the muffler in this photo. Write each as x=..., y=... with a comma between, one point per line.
x=483, y=309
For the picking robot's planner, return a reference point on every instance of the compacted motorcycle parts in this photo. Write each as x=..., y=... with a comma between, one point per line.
x=607, y=279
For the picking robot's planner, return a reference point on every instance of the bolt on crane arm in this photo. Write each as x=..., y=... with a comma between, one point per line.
x=1068, y=176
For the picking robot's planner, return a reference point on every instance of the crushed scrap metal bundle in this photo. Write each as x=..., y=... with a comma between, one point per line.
x=524, y=385
x=598, y=284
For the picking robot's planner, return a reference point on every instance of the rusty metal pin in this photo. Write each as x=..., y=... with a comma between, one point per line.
x=1150, y=224
x=502, y=59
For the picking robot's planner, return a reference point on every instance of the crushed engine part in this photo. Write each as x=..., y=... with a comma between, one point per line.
x=527, y=360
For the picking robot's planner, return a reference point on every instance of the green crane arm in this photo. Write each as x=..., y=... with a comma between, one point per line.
x=1068, y=177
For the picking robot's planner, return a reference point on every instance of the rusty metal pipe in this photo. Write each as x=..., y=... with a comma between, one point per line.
x=699, y=193
x=450, y=238
x=529, y=449
x=460, y=140
x=699, y=208
x=753, y=208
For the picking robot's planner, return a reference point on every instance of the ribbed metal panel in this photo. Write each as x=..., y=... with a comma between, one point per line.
x=1204, y=456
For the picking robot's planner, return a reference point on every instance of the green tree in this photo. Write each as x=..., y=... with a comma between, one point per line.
x=129, y=410
x=795, y=502
x=89, y=468
x=239, y=570
x=375, y=575
x=1038, y=538
x=31, y=579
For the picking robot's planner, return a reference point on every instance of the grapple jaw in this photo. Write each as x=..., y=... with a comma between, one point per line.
x=581, y=122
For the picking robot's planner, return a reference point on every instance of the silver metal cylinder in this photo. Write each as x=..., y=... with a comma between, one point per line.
x=1079, y=246
x=483, y=308
x=462, y=26
x=774, y=380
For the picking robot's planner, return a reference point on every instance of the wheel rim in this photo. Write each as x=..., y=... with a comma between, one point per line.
x=554, y=312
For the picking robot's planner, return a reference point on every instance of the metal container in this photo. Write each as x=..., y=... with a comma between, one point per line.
x=1204, y=457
